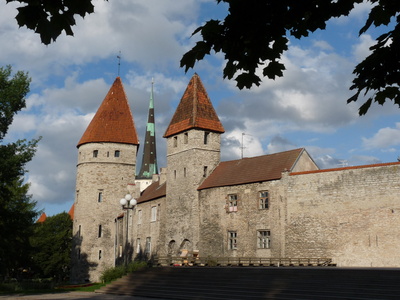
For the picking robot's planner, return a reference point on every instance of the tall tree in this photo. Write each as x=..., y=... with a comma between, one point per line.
x=17, y=210
x=254, y=35
x=52, y=244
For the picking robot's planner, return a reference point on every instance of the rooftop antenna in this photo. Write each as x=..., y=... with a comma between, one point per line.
x=119, y=62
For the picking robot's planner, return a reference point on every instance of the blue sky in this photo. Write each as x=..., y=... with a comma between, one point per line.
x=306, y=108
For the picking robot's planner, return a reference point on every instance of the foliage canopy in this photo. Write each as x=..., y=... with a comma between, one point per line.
x=17, y=210
x=254, y=35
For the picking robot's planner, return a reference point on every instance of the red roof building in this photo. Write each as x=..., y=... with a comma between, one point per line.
x=113, y=121
x=195, y=110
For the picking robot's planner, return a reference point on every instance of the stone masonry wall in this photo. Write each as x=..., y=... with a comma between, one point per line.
x=94, y=248
x=351, y=215
x=189, y=161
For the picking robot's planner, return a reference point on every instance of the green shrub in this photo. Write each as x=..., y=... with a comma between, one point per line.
x=114, y=273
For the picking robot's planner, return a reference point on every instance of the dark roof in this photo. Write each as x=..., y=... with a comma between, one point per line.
x=153, y=191
x=195, y=110
x=113, y=121
x=254, y=169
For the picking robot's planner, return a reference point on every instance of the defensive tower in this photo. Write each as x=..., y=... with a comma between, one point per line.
x=106, y=165
x=193, y=151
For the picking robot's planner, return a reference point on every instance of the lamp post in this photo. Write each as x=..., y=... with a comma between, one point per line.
x=127, y=203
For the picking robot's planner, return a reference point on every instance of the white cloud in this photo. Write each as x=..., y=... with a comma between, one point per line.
x=361, y=50
x=384, y=138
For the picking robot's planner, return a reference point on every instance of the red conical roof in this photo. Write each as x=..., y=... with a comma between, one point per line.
x=194, y=111
x=113, y=121
x=42, y=218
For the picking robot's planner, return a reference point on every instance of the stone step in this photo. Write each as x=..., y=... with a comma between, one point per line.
x=259, y=283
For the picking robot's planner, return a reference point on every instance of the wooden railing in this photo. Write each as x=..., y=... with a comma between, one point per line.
x=241, y=261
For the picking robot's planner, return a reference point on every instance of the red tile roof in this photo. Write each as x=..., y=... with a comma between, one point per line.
x=72, y=212
x=113, y=121
x=152, y=192
x=345, y=168
x=42, y=218
x=253, y=169
x=195, y=110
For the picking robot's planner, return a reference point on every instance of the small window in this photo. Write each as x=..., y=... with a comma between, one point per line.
x=205, y=171
x=147, y=250
x=95, y=153
x=175, y=141
x=232, y=202
x=99, y=254
x=232, y=240
x=117, y=153
x=138, y=248
x=100, y=232
x=139, y=216
x=264, y=239
x=108, y=153
x=153, y=213
x=100, y=197
x=79, y=231
x=263, y=200
x=206, y=137
x=184, y=172
x=120, y=250
x=185, y=138
x=174, y=174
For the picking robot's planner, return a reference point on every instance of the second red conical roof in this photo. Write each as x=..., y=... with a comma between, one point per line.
x=194, y=111
x=113, y=121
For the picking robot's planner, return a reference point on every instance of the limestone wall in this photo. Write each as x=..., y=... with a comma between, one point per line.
x=351, y=215
x=217, y=219
x=101, y=182
x=189, y=161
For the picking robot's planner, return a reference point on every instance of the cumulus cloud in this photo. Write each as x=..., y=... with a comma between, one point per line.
x=384, y=138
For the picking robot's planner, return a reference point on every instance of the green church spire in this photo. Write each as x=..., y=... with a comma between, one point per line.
x=149, y=160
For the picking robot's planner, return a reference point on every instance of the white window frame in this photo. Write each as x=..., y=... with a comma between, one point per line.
x=264, y=239
x=232, y=240
x=153, y=213
x=263, y=200
x=232, y=202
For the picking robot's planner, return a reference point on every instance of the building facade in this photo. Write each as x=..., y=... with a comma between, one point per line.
x=274, y=206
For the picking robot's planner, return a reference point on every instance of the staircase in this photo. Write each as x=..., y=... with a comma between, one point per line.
x=259, y=283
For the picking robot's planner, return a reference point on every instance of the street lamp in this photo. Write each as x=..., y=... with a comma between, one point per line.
x=127, y=203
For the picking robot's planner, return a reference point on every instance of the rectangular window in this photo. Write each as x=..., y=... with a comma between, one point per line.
x=148, y=246
x=117, y=153
x=232, y=202
x=120, y=250
x=139, y=216
x=264, y=239
x=95, y=153
x=185, y=138
x=99, y=254
x=153, y=213
x=100, y=197
x=175, y=141
x=263, y=200
x=100, y=232
x=184, y=172
x=205, y=171
x=138, y=248
x=232, y=240
x=206, y=137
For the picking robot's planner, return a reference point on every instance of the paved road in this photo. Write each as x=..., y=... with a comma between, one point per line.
x=73, y=295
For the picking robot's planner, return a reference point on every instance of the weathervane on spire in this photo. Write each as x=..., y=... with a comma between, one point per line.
x=119, y=62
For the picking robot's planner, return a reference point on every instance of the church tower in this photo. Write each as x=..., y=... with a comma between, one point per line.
x=106, y=166
x=149, y=161
x=193, y=151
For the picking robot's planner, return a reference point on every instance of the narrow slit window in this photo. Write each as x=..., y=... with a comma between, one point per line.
x=100, y=197
x=185, y=138
x=100, y=232
x=206, y=137
x=175, y=141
